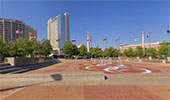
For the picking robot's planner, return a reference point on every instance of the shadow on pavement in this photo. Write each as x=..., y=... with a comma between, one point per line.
x=57, y=77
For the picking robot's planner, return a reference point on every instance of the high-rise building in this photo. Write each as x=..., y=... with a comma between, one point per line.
x=58, y=31
x=10, y=30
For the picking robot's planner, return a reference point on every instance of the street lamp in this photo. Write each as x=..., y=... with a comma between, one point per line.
x=168, y=42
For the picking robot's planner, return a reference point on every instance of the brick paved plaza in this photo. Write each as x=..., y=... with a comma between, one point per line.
x=126, y=81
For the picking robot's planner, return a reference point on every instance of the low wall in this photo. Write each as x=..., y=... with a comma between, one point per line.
x=66, y=76
x=20, y=61
x=146, y=60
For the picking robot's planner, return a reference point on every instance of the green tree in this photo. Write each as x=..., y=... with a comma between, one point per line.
x=111, y=51
x=46, y=48
x=29, y=47
x=163, y=50
x=125, y=53
x=92, y=52
x=19, y=47
x=37, y=49
x=151, y=52
x=106, y=52
x=139, y=51
x=116, y=53
x=3, y=48
x=82, y=50
x=70, y=49
x=96, y=52
x=130, y=52
x=12, y=49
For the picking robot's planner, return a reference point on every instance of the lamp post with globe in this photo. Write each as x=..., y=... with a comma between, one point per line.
x=168, y=44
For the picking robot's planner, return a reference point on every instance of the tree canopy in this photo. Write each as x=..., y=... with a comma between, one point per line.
x=82, y=50
x=70, y=49
x=129, y=53
x=96, y=52
x=163, y=49
x=23, y=47
x=3, y=48
x=139, y=51
x=110, y=52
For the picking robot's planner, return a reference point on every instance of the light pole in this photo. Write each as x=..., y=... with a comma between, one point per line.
x=168, y=42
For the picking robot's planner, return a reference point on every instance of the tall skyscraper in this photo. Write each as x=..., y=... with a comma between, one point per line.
x=10, y=30
x=58, y=31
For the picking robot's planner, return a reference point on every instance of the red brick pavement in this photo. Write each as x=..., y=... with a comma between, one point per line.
x=76, y=66
x=118, y=92
x=53, y=68
x=99, y=92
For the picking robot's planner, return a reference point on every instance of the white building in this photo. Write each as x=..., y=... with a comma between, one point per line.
x=58, y=31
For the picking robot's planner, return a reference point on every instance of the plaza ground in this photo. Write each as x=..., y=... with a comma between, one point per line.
x=129, y=85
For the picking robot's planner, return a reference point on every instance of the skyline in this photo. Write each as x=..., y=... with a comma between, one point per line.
x=110, y=19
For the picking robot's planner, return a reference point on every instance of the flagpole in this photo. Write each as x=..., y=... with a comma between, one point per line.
x=76, y=47
x=106, y=42
x=137, y=48
x=91, y=41
x=119, y=45
x=149, y=44
x=76, y=41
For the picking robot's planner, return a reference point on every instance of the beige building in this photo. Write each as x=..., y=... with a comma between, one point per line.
x=134, y=46
x=58, y=31
x=9, y=28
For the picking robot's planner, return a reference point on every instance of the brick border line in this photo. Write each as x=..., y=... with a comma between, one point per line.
x=5, y=95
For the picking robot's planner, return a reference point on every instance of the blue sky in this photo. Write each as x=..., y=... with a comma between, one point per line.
x=103, y=18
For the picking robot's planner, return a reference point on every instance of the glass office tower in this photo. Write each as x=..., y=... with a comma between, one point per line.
x=58, y=31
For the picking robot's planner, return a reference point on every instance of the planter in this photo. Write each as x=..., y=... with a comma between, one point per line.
x=20, y=61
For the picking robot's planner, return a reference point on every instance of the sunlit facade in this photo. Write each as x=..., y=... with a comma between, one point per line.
x=9, y=28
x=58, y=31
x=155, y=45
